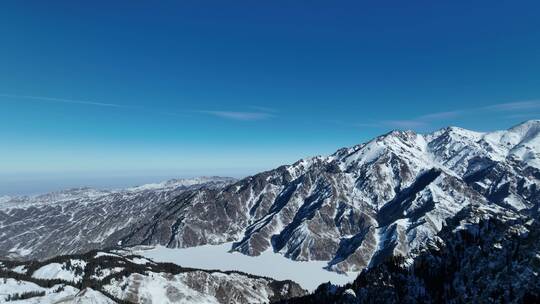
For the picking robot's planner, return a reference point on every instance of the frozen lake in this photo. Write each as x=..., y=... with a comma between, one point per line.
x=269, y=264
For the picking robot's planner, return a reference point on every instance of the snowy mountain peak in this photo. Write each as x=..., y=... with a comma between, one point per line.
x=456, y=133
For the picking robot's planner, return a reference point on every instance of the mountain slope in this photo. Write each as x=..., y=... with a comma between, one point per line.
x=484, y=255
x=360, y=204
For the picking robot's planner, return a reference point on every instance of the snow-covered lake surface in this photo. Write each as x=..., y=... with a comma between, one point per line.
x=269, y=264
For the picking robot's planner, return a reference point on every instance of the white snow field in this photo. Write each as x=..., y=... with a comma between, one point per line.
x=57, y=271
x=269, y=264
x=53, y=295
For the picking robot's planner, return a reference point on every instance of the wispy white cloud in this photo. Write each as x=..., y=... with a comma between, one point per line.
x=234, y=115
x=441, y=115
x=524, y=115
x=515, y=106
x=353, y=124
x=263, y=109
x=405, y=124
x=422, y=121
x=62, y=100
x=364, y=125
x=258, y=113
x=426, y=120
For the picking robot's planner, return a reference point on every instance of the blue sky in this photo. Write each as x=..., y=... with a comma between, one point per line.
x=131, y=92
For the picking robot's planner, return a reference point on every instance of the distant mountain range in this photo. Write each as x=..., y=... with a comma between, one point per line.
x=354, y=209
x=81, y=219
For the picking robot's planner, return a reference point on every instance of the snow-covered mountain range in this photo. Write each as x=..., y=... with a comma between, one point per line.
x=89, y=195
x=360, y=204
x=351, y=209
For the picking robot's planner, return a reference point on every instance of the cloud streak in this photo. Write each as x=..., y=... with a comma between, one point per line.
x=62, y=100
x=404, y=123
x=515, y=106
x=424, y=121
x=441, y=115
x=257, y=113
x=245, y=116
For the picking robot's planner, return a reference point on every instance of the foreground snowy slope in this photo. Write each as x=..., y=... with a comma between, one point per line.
x=119, y=277
x=351, y=209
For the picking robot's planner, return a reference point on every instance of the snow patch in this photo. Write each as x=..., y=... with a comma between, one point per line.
x=59, y=271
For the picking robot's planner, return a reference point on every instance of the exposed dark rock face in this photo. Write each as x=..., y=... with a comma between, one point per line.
x=483, y=255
